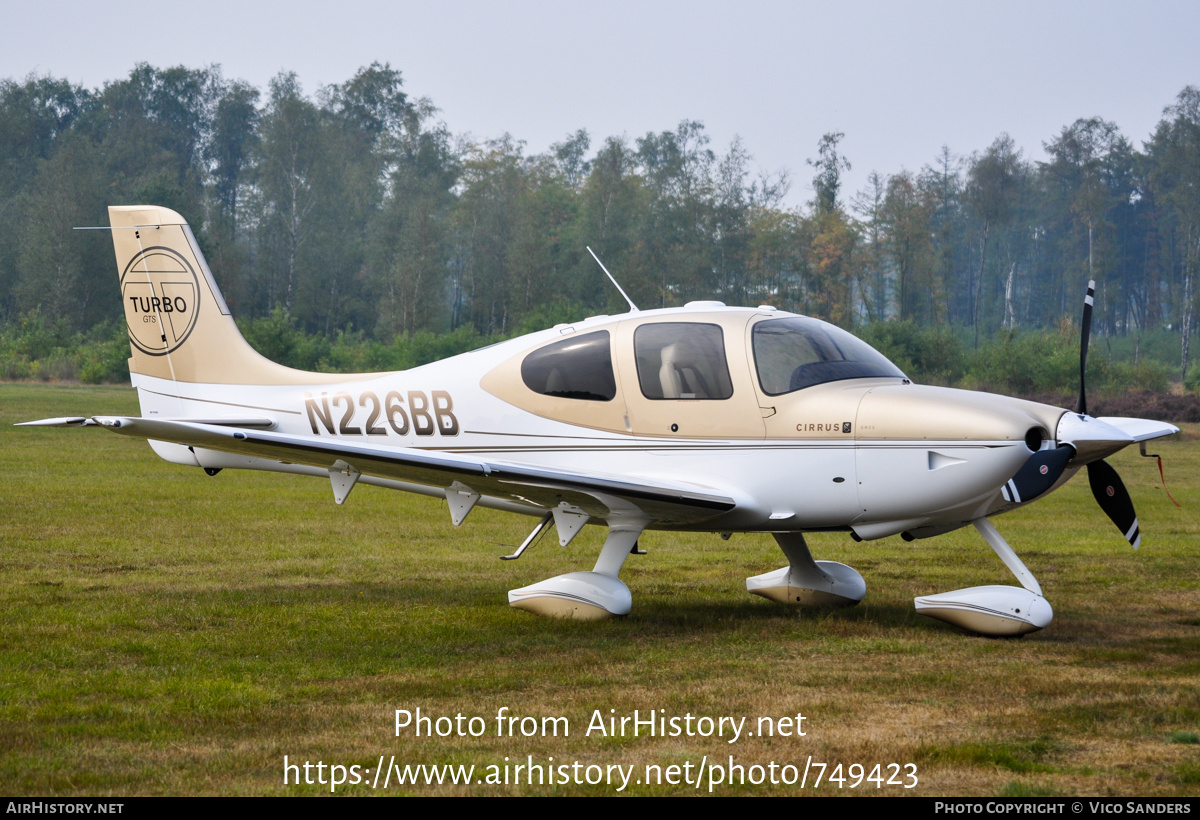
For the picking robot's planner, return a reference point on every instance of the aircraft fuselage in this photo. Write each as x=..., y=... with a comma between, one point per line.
x=876, y=455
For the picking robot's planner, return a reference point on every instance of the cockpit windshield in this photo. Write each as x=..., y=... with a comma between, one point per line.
x=797, y=352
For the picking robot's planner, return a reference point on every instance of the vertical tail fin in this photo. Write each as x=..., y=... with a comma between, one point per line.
x=179, y=325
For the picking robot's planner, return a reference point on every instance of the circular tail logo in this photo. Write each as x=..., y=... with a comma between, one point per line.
x=161, y=293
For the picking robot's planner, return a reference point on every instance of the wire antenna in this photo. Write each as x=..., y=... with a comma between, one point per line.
x=119, y=228
x=632, y=307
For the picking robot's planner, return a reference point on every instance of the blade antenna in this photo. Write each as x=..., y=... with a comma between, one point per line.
x=1085, y=333
x=632, y=307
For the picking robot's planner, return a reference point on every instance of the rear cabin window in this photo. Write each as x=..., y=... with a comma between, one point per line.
x=682, y=360
x=797, y=352
x=576, y=368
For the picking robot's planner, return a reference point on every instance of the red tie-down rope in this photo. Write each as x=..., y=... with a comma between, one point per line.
x=1161, y=474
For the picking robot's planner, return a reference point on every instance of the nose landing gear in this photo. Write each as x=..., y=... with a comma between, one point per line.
x=993, y=610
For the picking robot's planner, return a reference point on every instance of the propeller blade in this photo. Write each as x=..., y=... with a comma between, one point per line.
x=1037, y=474
x=1085, y=335
x=1114, y=499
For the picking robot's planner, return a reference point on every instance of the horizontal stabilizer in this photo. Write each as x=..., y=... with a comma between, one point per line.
x=81, y=421
x=65, y=421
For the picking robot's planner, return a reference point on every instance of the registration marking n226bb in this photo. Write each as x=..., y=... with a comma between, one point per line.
x=424, y=415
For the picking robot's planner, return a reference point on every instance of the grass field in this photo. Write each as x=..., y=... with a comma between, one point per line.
x=163, y=632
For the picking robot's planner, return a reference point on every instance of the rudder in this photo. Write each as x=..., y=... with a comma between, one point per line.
x=179, y=325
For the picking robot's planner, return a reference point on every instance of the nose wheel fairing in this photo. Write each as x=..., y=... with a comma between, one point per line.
x=993, y=610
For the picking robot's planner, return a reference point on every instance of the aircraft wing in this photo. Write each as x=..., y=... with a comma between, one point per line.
x=1140, y=429
x=600, y=496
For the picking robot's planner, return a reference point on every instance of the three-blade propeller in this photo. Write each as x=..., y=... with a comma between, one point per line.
x=1114, y=499
x=1040, y=472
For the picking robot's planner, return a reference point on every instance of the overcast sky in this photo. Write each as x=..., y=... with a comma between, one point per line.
x=899, y=79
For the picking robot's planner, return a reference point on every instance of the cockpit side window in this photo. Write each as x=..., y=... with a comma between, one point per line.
x=682, y=360
x=579, y=367
x=797, y=352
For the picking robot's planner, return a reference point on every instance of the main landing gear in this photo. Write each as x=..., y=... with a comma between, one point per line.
x=805, y=581
x=988, y=610
x=585, y=596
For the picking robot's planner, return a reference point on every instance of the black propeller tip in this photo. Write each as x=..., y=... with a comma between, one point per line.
x=1037, y=474
x=1085, y=333
x=1114, y=499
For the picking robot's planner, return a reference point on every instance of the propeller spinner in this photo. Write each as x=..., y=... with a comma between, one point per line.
x=1081, y=438
x=1107, y=486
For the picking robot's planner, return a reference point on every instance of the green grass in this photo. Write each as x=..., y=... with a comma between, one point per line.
x=163, y=632
x=1016, y=757
x=1018, y=788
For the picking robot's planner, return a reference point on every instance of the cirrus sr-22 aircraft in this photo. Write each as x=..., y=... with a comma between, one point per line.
x=702, y=418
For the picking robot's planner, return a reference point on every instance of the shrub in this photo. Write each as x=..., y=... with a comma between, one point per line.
x=926, y=355
x=1192, y=380
x=105, y=360
x=1121, y=377
x=1029, y=362
x=277, y=337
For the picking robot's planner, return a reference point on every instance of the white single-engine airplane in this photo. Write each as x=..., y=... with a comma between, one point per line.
x=702, y=418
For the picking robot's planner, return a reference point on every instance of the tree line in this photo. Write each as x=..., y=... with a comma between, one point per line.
x=357, y=210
